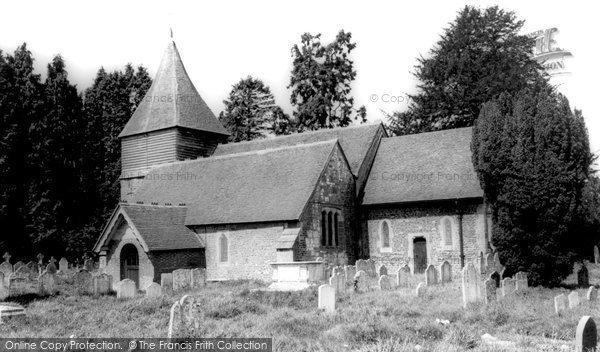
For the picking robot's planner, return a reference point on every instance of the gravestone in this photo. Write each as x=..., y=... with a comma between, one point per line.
x=88, y=264
x=586, y=335
x=174, y=320
x=446, y=271
x=338, y=282
x=18, y=265
x=32, y=269
x=349, y=271
x=489, y=263
x=481, y=261
x=402, y=276
x=431, y=276
x=522, y=282
x=166, y=282
x=126, y=289
x=51, y=267
x=4, y=293
x=382, y=270
x=470, y=285
x=371, y=269
x=489, y=294
x=63, y=266
x=184, y=318
x=592, y=294
x=573, y=299
x=153, y=290
x=420, y=290
x=102, y=284
x=83, y=281
x=327, y=298
x=508, y=286
x=338, y=270
x=198, y=277
x=47, y=284
x=596, y=255
x=497, y=265
x=361, y=265
x=385, y=283
x=496, y=278
x=181, y=279
x=6, y=268
x=560, y=303
x=583, y=278
x=20, y=283
x=360, y=282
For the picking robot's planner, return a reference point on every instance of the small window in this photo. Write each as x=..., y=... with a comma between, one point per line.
x=446, y=229
x=323, y=228
x=329, y=229
x=223, y=249
x=385, y=235
x=335, y=230
x=331, y=225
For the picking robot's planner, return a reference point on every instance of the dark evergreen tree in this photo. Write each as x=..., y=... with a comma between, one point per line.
x=321, y=83
x=250, y=111
x=478, y=57
x=532, y=156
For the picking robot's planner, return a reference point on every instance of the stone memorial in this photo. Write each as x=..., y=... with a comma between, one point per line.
x=522, y=282
x=4, y=293
x=489, y=263
x=470, y=285
x=327, y=298
x=18, y=265
x=573, y=299
x=102, y=284
x=12, y=310
x=489, y=291
x=495, y=276
x=385, y=283
x=583, y=278
x=431, y=275
x=446, y=272
x=508, y=286
x=560, y=303
x=420, y=290
x=350, y=271
x=402, y=276
x=153, y=290
x=198, y=277
x=83, y=281
x=586, y=335
x=382, y=270
x=596, y=255
x=126, y=289
x=361, y=265
x=360, y=282
x=592, y=294
x=47, y=284
x=181, y=279
x=166, y=282
x=6, y=268
x=497, y=265
x=338, y=282
x=51, y=267
x=371, y=269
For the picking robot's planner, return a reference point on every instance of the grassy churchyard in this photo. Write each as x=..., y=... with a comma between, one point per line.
x=393, y=320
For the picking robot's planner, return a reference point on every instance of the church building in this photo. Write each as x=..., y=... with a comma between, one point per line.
x=190, y=199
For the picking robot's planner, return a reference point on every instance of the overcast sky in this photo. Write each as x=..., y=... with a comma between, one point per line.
x=223, y=41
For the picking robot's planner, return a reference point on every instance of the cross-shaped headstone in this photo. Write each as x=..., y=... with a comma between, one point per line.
x=52, y=260
x=40, y=258
x=6, y=257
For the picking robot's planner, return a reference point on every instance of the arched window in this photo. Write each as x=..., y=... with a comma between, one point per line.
x=223, y=249
x=447, y=231
x=385, y=235
x=329, y=229
x=335, y=230
x=323, y=228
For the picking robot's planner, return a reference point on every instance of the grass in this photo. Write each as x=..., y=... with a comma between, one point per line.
x=374, y=321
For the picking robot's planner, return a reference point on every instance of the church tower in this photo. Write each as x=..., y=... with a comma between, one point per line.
x=171, y=123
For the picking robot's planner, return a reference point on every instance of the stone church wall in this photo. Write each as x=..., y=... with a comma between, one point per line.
x=168, y=261
x=335, y=192
x=407, y=222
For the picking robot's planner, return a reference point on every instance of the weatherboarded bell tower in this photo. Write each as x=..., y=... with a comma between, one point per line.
x=171, y=123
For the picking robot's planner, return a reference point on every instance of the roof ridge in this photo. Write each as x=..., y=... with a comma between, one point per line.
x=420, y=134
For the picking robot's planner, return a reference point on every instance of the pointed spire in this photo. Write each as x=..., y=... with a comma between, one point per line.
x=171, y=29
x=172, y=101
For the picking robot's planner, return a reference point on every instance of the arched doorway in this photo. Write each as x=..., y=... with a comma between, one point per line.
x=420, y=254
x=130, y=263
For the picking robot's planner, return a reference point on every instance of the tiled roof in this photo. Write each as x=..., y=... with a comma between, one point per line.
x=172, y=101
x=355, y=142
x=423, y=167
x=162, y=227
x=257, y=186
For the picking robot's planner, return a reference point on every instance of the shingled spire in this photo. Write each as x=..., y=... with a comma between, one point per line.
x=171, y=123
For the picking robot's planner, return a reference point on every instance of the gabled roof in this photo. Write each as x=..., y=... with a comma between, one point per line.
x=157, y=227
x=423, y=167
x=355, y=141
x=258, y=186
x=172, y=101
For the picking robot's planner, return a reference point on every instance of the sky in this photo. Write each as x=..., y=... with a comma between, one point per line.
x=221, y=42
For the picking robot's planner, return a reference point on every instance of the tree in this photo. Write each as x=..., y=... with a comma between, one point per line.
x=250, y=111
x=533, y=160
x=478, y=57
x=321, y=83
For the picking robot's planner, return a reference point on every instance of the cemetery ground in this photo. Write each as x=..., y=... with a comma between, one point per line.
x=394, y=320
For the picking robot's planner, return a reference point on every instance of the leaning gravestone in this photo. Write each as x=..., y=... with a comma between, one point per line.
x=18, y=265
x=360, y=282
x=583, y=278
x=198, y=277
x=174, y=320
x=102, y=284
x=489, y=291
x=586, y=335
x=470, y=285
x=402, y=276
x=382, y=270
x=371, y=270
x=385, y=283
x=497, y=265
x=338, y=282
x=496, y=278
x=489, y=263
x=420, y=290
x=446, y=271
x=47, y=284
x=166, y=282
x=508, y=286
x=592, y=294
x=349, y=272
x=431, y=276
x=560, y=303
x=126, y=289
x=327, y=298
x=83, y=281
x=184, y=319
x=181, y=279
x=573, y=299
x=153, y=290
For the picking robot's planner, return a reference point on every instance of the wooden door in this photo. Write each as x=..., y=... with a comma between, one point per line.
x=420, y=254
x=130, y=264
